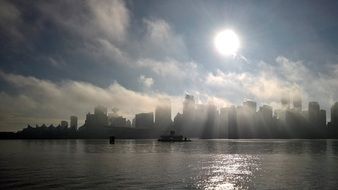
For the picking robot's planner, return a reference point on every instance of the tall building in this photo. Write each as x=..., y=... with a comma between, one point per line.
x=144, y=120
x=297, y=103
x=210, y=129
x=188, y=105
x=334, y=115
x=117, y=121
x=250, y=106
x=232, y=123
x=223, y=122
x=188, y=124
x=280, y=114
x=314, y=114
x=100, y=110
x=73, y=122
x=264, y=122
x=285, y=101
x=163, y=114
x=98, y=119
x=322, y=118
x=266, y=112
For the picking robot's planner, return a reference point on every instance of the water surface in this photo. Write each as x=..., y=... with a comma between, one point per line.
x=148, y=164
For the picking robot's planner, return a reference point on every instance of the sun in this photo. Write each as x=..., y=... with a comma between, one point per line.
x=227, y=42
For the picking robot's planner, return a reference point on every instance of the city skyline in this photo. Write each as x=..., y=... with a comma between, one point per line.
x=198, y=121
x=290, y=105
x=64, y=58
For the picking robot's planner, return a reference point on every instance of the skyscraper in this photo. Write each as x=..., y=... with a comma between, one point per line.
x=73, y=122
x=188, y=125
x=285, y=101
x=100, y=110
x=232, y=123
x=188, y=105
x=250, y=106
x=314, y=113
x=210, y=129
x=322, y=118
x=334, y=115
x=98, y=119
x=163, y=114
x=223, y=122
x=297, y=103
x=266, y=112
x=144, y=120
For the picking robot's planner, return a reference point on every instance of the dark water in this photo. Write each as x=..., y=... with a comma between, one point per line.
x=148, y=164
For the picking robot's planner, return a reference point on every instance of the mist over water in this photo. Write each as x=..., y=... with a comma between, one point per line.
x=148, y=164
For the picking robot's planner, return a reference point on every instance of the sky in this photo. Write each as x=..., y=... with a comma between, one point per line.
x=62, y=58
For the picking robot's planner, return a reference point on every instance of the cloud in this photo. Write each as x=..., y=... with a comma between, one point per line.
x=169, y=67
x=275, y=80
x=35, y=100
x=88, y=19
x=111, y=16
x=38, y=101
x=10, y=20
x=161, y=41
x=103, y=32
x=146, y=81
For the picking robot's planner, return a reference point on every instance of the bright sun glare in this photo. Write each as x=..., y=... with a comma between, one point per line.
x=227, y=42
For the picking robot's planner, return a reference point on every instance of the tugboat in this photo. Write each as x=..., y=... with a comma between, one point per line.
x=173, y=138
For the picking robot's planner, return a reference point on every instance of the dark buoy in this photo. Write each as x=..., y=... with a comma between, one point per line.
x=112, y=140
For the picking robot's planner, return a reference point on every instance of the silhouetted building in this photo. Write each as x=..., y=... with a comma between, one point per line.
x=314, y=114
x=296, y=124
x=232, y=123
x=64, y=124
x=117, y=121
x=188, y=125
x=223, y=122
x=280, y=114
x=100, y=110
x=188, y=105
x=322, y=118
x=133, y=123
x=73, y=122
x=250, y=106
x=297, y=103
x=285, y=101
x=246, y=116
x=98, y=119
x=266, y=113
x=144, y=120
x=178, y=122
x=163, y=114
x=198, y=125
x=264, y=122
x=334, y=115
x=210, y=129
x=201, y=121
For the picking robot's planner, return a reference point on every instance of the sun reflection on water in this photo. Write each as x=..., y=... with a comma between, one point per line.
x=230, y=171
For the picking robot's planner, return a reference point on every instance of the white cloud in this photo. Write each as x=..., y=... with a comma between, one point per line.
x=146, y=81
x=162, y=41
x=170, y=68
x=111, y=16
x=40, y=101
x=273, y=81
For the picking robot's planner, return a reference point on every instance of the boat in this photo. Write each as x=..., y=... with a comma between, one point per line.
x=173, y=138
